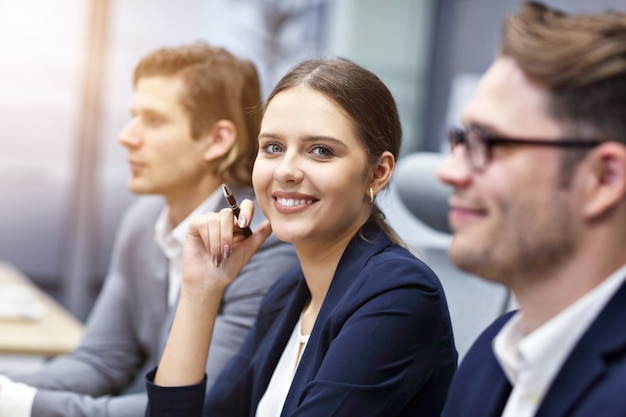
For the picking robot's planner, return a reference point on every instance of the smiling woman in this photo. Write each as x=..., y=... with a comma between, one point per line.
x=329, y=139
x=311, y=175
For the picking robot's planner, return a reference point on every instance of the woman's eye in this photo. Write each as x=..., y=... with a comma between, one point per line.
x=271, y=147
x=322, y=151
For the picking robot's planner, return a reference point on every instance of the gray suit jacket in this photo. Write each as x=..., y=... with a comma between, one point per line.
x=128, y=325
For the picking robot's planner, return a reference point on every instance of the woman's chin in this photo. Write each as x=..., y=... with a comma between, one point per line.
x=286, y=237
x=289, y=234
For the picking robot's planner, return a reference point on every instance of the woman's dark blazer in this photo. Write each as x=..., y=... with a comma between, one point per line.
x=382, y=344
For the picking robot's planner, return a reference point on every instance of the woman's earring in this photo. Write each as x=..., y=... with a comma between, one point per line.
x=371, y=195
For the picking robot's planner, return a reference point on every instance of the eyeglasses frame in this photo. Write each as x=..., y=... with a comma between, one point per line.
x=458, y=136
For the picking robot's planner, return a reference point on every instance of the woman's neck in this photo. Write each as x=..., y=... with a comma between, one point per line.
x=319, y=264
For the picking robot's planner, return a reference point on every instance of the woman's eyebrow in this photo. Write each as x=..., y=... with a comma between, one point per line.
x=323, y=138
x=266, y=135
x=307, y=138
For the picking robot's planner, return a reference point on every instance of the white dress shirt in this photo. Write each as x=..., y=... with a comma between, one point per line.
x=531, y=361
x=16, y=399
x=171, y=241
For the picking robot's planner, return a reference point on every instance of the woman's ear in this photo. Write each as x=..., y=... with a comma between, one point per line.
x=220, y=139
x=606, y=185
x=382, y=172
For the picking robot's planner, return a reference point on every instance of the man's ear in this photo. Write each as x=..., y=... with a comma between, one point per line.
x=220, y=139
x=381, y=175
x=606, y=185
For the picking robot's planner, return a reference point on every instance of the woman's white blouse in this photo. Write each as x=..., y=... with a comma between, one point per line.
x=272, y=402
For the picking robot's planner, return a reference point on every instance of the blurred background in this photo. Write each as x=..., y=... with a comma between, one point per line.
x=65, y=88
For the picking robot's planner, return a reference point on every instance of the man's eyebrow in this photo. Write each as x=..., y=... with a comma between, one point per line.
x=481, y=126
x=147, y=111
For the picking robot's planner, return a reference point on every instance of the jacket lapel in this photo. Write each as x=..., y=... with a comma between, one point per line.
x=496, y=398
x=480, y=387
x=587, y=364
x=281, y=324
x=356, y=255
x=352, y=262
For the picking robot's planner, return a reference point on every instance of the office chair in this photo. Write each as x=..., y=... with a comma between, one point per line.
x=473, y=302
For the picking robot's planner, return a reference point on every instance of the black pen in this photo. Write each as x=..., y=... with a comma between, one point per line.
x=235, y=207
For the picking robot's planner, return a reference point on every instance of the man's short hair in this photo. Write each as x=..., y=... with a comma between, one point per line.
x=580, y=59
x=218, y=85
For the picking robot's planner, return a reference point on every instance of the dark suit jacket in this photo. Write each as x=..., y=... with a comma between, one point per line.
x=382, y=344
x=592, y=381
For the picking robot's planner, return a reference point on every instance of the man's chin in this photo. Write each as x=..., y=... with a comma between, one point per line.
x=465, y=256
x=138, y=188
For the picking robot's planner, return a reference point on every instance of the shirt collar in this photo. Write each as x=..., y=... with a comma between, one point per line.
x=169, y=238
x=547, y=347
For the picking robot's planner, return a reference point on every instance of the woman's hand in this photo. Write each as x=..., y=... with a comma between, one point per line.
x=215, y=249
x=214, y=253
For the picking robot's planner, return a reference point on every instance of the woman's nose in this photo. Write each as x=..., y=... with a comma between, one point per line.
x=289, y=169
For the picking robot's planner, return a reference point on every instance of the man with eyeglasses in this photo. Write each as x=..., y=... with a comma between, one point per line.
x=539, y=205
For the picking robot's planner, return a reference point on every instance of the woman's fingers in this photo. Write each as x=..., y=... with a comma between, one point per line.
x=217, y=235
x=227, y=219
x=214, y=238
x=260, y=235
x=246, y=212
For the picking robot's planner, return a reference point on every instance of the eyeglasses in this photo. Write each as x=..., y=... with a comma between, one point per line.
x=479, y=144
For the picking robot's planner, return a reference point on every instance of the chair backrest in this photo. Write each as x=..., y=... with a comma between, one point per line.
x=420, y=190
x=473, y=302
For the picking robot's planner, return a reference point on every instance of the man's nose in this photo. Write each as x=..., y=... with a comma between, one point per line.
x=129, y=135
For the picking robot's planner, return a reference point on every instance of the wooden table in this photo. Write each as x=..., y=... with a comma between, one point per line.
x=50, y=332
